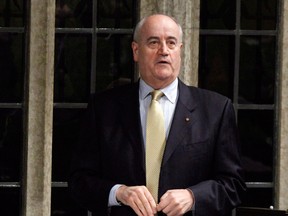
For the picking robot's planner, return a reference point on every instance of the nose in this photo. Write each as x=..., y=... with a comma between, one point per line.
x=163, y=49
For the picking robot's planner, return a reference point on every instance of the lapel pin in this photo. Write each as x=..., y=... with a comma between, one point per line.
x=187, y=119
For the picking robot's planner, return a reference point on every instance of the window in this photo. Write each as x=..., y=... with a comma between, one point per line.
x=12, y=49
x=91, y=53
x=238, y=59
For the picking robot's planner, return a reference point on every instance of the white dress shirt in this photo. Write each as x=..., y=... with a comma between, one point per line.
x=168, y=104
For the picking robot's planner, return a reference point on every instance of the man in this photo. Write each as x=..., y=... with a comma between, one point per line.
x=200, y=170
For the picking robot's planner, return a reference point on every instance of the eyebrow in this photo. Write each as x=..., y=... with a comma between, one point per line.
x=157, y=38
x=152, y=38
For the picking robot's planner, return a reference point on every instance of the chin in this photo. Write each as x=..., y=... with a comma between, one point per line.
x=164, y=72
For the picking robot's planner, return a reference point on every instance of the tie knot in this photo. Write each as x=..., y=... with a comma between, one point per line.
x=156, y=94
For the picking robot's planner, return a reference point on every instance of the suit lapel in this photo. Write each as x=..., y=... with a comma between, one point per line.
x=182, y=120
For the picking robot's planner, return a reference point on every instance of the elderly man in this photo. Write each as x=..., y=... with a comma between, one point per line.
x=177, y=155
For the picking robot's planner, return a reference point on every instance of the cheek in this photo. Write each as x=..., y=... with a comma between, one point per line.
x=177, y=59
x=146, y=59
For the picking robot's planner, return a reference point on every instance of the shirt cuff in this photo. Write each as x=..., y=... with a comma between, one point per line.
x=112, y=196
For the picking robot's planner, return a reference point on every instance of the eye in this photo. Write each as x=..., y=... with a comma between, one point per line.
x=153, y=44
x=171, y=44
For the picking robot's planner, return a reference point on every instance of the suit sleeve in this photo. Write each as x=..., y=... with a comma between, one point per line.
x=85, y=183
x=223, y=192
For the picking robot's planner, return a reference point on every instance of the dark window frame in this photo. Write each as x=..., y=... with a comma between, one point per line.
x=94, y=31
x=238, y=33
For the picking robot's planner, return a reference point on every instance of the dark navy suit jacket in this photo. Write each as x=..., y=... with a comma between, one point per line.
x=202, y=151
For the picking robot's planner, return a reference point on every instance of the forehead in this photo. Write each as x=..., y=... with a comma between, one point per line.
x=160, y=26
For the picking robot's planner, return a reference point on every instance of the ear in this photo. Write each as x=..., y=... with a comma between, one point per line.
x=135, y=49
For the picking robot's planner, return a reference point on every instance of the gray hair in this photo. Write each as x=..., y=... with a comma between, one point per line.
x=136, y=34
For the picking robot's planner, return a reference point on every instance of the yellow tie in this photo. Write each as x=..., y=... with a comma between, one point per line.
x=155, y=143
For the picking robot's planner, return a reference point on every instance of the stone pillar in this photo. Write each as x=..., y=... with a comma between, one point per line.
x=281, y=183
x=187, y=13
x=38, y=106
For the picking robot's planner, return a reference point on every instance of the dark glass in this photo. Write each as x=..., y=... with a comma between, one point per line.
x=115, y=13
x=10, y=144
x=257, y=70
x=219, y=14
x=11, y=67
x=259, y=14
x=256, y=137
x=114, y=64
x=258, y=197
x=10, y=201
x=72, y=67
x=110, y=14
x=63, y=205
x=74, y=13
x=216, y=64
x=12, y=13
x=66, y=127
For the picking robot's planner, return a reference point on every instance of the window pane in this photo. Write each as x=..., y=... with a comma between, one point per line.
x=111, y=14
x=12, y=13
x=258, y=14
x=257, y=70
x=114, y=60
x=218, y=14
x=11, y=67
x=62, y=204
x=10, y=201
x=256, y=136
x=115, y=13
x=10, y=144
x=216, y=64
x=74, y=13
x=66, y=127
x=258, y=197
x=72, y=67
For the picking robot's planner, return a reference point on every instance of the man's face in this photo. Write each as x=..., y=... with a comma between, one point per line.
x=158, y=51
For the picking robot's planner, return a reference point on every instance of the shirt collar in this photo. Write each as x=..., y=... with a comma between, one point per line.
x=169, y=91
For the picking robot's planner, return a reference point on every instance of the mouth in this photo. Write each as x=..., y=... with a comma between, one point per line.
x=163, y=62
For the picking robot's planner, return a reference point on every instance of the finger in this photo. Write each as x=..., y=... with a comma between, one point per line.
x=164, y=202
x=172, y=212
x=144, y=206
x=147, y=203
x=138, y=207
x=174, y=209
x=141, y=202
x=176, y=202
x=138, y=198
x=168, y=204
x=151, y=204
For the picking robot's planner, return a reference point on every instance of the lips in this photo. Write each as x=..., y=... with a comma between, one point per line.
x=163, y=62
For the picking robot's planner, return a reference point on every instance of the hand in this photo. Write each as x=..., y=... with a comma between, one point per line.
x=138, y=198
x=176, y=202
